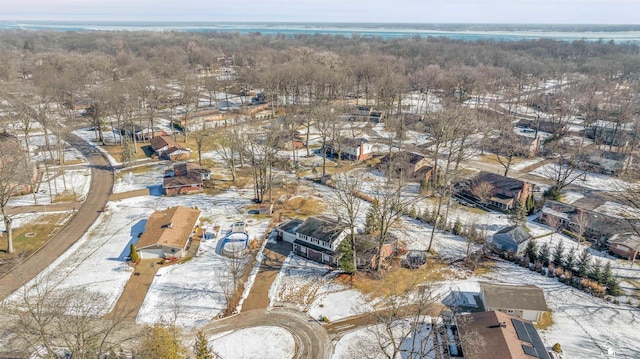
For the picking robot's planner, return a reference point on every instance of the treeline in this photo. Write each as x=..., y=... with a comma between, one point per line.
x=543, y=57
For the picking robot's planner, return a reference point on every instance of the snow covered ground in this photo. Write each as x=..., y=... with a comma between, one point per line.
x=593, y=181
x=254, y=343
x=150, y=176
x=77, y=181
x=365, y=342
x=97, y=261
x=311, y=287
x=582, y=323
x=193, y=291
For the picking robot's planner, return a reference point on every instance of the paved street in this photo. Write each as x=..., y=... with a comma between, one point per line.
x=87, y=213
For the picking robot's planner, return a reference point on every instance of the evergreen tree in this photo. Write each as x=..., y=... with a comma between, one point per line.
x=532, y=250
x=346, y=257
x=128, y=155
x=531, y=205
x=133, y=253
x=457, y=227
x=570, y=259
x=544, y=254
x=161, y=343
x=607, y=274
x=371, y=224
x=583, y=263
x=519, y=213
x=558, y=254
x=201, y=348
x=613, y=287
x=596, y=271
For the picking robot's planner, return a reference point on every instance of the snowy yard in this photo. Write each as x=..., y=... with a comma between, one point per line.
x=365, y=342
x=193, y=291
x=312, y=288
x=254, y=343
x=593, y=180
x=145, y=176
x=97, y=261
x=76, y=182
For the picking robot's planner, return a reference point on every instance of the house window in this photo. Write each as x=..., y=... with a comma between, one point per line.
x=173, y=250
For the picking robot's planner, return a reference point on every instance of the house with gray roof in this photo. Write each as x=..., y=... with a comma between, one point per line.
x=318, y=238
x=522, y=301
x=512, y=238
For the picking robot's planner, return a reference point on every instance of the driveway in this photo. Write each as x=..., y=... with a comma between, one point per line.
x=310, y=337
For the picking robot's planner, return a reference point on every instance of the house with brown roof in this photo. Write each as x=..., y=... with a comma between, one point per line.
x=523, y=301
x=411, y=165
x=505, y=191
x=625, y=245
x=168, y=233
x=167, y=148
x=184, y=178
x=498, y=335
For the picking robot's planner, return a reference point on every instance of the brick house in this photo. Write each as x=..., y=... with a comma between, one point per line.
x=412, y=165
x=358, y=149
x=184, y=178
x=625, y=245
x=505, y=191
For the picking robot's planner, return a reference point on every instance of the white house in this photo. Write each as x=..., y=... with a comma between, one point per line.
x=318, y=238
x=168, y=233
x=522, y=301
x=287, y=230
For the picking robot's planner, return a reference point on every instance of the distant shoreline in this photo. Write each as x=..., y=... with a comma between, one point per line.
x=467, y=32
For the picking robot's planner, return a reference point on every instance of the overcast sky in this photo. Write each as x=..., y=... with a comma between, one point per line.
x=407, y=11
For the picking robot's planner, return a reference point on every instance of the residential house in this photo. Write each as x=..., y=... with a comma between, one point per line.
x=147, y=133
x=597, y=227
x=366, y=113
x=199, y=120
x=318, y=238
x=412, y=165
x=184, y=178
x=358, y=149
x=511, y=239
x=530, y=146
x=367, y=250
x=505, y=192
x=168, y=233
x=608, y=162
x=503, y=336
x=523, y=301
x=625, y=245
x=287, y=230
x=167, y=148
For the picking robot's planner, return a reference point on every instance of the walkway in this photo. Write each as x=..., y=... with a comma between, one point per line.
x=136, y=289
x=88, y=212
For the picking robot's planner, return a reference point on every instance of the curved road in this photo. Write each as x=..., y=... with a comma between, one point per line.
x=88, y=212
x=312, y=340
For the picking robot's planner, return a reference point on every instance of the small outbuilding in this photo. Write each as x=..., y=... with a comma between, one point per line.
x=512, y=238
